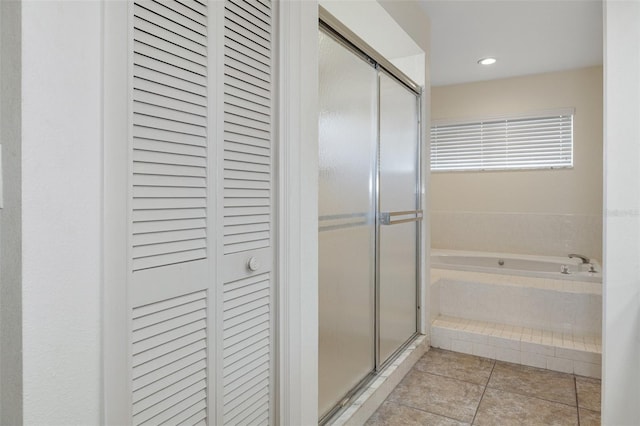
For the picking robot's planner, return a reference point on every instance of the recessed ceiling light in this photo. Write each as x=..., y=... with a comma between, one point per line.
x=487, y=61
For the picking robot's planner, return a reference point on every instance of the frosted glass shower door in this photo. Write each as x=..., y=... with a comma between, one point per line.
x=399, y=215
x=348, y=118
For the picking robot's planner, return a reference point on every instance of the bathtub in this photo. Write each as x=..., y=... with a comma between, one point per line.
x=518, y=309
x=550, y=267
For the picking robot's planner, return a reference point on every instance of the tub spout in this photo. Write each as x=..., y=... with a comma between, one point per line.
x=585, y=259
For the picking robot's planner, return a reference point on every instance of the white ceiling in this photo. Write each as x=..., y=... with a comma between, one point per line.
x=526, y=36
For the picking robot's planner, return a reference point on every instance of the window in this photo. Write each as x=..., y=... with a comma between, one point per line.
x=531, y=142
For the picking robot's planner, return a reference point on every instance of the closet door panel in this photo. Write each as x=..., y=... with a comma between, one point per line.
x=170, y=240
x=246, y=305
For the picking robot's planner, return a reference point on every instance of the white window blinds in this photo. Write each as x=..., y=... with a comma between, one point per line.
x=538, y=142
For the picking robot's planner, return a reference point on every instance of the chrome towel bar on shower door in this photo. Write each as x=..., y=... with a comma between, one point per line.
x=386, y=218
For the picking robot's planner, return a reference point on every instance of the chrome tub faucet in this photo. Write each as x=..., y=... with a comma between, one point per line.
x=585, y=259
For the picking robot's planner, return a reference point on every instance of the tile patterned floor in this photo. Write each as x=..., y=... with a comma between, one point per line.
x=449, y=388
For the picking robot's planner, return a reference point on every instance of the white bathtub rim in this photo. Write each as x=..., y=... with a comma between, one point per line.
x=582, y=277
x=558, y=259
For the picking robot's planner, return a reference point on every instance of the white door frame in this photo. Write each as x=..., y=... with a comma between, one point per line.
x=297, y=212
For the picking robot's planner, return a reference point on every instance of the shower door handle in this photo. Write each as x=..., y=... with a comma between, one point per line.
x=395, y=218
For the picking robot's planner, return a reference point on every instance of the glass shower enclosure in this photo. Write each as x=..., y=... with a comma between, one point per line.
x=369, y=218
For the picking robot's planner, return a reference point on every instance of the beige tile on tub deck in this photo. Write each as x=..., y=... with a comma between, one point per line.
x=438, y=395
x=392, y=414
x=506, y=408
x=589, y=393
x=459, y=366
x=536, y=382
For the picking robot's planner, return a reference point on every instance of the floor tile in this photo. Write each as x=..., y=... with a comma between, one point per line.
x=536, y=382
x=589, y=418
x=506, y=408
x=588, y=393
x=456, y=365
x=438, y=395
x=392, y=414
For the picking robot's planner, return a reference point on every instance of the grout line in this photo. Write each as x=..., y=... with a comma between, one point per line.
x=426, y=411
x=449, y=377
x=575, y=386
x=533, y=396
x=483, y=392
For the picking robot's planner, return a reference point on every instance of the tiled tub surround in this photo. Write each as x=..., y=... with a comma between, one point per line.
x=545, y=323
x=522, y=233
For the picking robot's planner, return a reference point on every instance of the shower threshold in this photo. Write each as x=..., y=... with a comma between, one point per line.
x=367, y=397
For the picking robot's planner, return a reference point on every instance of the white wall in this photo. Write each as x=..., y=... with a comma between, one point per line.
x=10, y=217
x=621, y=355
x=61, y=232
x=553, y=212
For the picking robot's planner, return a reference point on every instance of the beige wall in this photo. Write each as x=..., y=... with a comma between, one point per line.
x=540, y=211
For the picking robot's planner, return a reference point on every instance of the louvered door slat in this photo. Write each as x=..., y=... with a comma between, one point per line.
x=245, y=120
x=168, y=203
x=244, y=60
x=246, y=19
x=170, y=147
x=246, y=32
x=169, y=125
x=247, y=184
x=196, y=6
x=241, y=80
x=249, y=67
x=180, y=373
x=250, y=107
x=188, y=382
x=186, y=25
x=168, y=35
x=258, y=417
x=235, y=33
x=147, y=84
x=250, y=363
x=233, y=48
x=250, y=11
x=193, y=16
x=164, y=62
x=248, y=113
x=164, y=226
x=161, y=377
x=168, y=102
x=247, y=131
x=239, y=319
x=167, y=113
x=169, y=20
x=164, y=334
x=232, y=147
x=194, y=415
x=247, y=96
x=249, y=400
x=236, y=138
x=157, y=329
x=163, y=75
x=173, y=51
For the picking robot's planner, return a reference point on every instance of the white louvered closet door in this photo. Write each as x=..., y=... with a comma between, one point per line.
x=170, y=208
x=247, y=338
x=200, y=293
